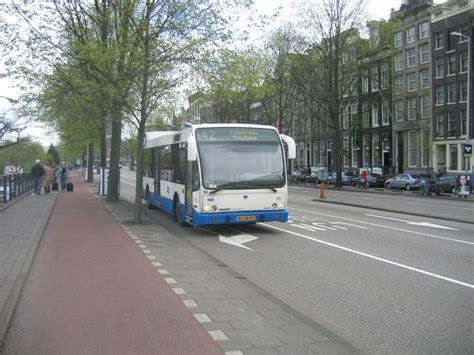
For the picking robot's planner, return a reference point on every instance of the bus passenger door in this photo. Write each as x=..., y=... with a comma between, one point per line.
x=188, y=193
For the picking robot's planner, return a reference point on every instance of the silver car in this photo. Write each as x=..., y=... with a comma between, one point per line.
x=404, y=181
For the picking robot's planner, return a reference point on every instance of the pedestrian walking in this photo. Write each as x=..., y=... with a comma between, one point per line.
x=37, y=171
x=48, y=178
x=363, y=178
x=63, y=175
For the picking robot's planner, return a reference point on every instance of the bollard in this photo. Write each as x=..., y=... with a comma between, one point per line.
x=321, y=190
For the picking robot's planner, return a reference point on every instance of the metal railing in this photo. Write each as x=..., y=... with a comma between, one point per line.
x=13, y=186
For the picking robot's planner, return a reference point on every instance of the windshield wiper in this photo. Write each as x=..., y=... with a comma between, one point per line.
x=241, y=185
x=225, y=186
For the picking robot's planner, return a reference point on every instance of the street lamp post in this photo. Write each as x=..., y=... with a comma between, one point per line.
x=468, y=138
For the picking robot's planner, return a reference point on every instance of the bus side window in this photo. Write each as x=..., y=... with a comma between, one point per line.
x=195, y=176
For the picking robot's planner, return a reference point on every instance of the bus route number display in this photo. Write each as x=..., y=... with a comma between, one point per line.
x=235, y=134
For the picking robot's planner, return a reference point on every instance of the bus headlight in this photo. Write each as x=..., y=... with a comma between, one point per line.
x=281, y=205
x=206, y=208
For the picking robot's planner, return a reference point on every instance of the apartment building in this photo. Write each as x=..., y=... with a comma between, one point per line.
x=451, y=26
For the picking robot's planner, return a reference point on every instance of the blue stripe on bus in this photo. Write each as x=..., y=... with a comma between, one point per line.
x=200, y=219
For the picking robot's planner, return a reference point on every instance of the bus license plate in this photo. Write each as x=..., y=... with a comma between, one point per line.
x=246, y=218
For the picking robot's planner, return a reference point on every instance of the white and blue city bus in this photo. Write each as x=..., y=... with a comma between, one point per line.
x=219, y=174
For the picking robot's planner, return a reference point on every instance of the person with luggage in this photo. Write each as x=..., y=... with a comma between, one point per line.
x=48, y=178
x=63, y=176
x=37, y=171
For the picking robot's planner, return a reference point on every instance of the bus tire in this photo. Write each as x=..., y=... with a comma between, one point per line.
x=177, y=212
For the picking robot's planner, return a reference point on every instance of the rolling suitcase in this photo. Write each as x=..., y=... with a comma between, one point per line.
x=69, y=186
x=55, y=186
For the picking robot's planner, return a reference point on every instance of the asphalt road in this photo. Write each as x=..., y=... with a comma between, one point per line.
x=385, y=282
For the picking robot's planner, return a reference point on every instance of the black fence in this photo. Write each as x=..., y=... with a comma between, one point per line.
x=13, y=186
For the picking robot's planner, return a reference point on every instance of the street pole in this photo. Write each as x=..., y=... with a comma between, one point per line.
x=468, y=138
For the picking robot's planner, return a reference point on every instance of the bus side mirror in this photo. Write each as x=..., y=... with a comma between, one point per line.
x=290, y=142
x=192, y=149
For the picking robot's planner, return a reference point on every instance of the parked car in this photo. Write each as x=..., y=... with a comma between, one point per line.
x=448, y=183
x=347, y=177
x=404, y=181
x=312, y=178
x=374, y=180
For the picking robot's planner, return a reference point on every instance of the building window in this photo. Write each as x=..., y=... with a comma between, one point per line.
x=439, y=40
x=463, y=62
x=399, y=62
x=453, y=157
x=452, y=93
x=412, y=109
x=452, y=124
x=345, y=117
x=411, y=37
x=411, y=58
x=439, y=67
x=412, y=148
x=398, y=39
x=463, y=91
x=375, y=114
x=425, y=107
x=462, y=121
x=411, y=82
x=365, y=83
x=425, y=147
x=439, y=125
x=385, y=76
x=439, y=95
x=424, y=30
x=365, y=115
x=399, y=111
x=451, y=64
x=385, y=113
x=424, y=54
x=425, y=79
x=464, y=30
x=375, y=79
x=399, y=85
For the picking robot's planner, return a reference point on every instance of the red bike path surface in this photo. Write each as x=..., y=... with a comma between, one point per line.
x=91, y=290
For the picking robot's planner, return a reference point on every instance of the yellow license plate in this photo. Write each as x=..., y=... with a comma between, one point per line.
x=246, y=218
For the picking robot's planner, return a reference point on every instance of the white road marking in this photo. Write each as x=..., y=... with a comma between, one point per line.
x=170, y=280
x=387, y=227
x=163, y=272
x=156, y=264
x=190, y=303
x=373, y=257
x=422, y=224
x=217, y=335
x=179, y=291
x=349, y=224
x=238, y=240
x=202, y=318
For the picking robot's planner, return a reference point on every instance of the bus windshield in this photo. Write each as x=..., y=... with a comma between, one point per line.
x=240, y=158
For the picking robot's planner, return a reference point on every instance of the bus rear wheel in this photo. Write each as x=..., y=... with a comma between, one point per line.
x=177, y=212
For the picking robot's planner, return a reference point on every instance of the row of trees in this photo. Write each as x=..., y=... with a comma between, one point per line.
x=102, y=64
x=105, y=63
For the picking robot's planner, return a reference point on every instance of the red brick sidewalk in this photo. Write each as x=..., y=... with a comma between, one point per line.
x=92, y=291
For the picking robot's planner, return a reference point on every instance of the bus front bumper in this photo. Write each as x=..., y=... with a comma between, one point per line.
x=239, y=217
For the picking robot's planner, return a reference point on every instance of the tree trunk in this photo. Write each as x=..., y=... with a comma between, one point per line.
x=103, y=146
x=114, y=171
x=90, y=163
